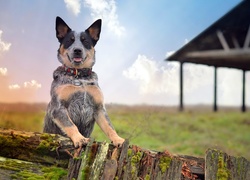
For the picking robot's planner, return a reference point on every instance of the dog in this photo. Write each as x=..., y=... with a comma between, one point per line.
x=76, y=98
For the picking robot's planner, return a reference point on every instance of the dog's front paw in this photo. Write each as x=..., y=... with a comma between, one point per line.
x=79, y=140
x=118, y=141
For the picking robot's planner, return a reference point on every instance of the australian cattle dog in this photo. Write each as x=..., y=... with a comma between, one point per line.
x=76, y=99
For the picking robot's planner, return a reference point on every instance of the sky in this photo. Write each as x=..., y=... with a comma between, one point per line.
x=136, y=37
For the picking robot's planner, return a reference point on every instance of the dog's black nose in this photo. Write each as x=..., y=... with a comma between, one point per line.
x=77, y=51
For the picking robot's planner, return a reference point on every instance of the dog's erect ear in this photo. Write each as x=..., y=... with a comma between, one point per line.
x=94, y=31
x=61, y=29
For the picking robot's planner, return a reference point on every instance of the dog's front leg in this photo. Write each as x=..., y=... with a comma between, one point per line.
x=63, y=121
x=105, y=124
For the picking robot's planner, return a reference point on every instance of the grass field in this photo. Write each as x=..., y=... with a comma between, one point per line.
x=158, y=128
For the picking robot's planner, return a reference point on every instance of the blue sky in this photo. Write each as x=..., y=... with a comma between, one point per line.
x=136, y=37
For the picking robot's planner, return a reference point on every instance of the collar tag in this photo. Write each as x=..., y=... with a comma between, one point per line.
x=76, y=82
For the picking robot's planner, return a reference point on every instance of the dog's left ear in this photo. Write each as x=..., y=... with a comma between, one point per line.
x=61, y=29
x=94, y=31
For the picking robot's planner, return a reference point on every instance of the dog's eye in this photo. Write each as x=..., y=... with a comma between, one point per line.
x=72, y=38
x=86, y=43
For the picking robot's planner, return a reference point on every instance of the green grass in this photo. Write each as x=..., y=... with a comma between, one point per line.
x=190, y=133
x=27, y=121
x=162, y=128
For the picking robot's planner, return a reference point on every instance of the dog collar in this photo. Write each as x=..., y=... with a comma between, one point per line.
x=78, y=73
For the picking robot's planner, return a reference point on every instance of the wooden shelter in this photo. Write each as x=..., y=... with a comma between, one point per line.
x=224, y=44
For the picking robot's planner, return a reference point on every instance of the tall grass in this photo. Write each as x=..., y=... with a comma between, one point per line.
x=161, y=128
x=27, y=121
x=190, y=132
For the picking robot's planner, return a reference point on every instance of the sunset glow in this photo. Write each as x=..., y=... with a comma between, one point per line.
x=136, y=37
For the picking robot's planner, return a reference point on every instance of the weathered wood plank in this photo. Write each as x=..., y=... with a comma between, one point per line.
x=147, y=163
x=162, y=164
x=74, y=165
x=135, y=154
x=98, y=164
x=122, y=159
x=104, y=161
x=88, y=157
x=110, y=167
x=175, y=169
x=35, y=147
x=19, y=169
x=220, y=165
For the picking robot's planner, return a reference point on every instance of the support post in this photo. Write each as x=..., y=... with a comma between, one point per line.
x=243, y=108
x=215, y=89
x=181, y=87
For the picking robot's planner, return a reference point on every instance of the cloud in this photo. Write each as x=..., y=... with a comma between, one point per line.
x=163, y=78
x=155, y=78
x=73, y=6
x=152, y=77
x=33, y=84
x=4, y=46
x=14, y=86
x=26, y=92
x=230, y=86
x=169, y=53
x=3, y=71
x=106, y=10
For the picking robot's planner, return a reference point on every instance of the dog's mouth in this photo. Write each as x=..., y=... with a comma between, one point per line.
x=77, y=60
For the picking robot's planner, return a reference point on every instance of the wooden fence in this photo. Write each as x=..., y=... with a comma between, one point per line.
x=28, y=155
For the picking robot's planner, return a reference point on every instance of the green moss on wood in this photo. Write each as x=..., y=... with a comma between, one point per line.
x=135, y=159
x=147, y=177
x=87, y=160
x=130, y=152
x=14, y=164
x=241, y=167
x=222, y=172
x=164, y=163
x=31, y=171
x=14, y=146
x=47, y=144
x=27, y=175
x=15, y=142
x=51, y=173
x=54, y=173
x=32, y=147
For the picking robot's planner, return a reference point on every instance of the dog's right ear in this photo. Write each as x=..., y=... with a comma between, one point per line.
x=61, y=29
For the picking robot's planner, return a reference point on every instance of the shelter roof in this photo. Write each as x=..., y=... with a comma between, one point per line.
x=224, y=44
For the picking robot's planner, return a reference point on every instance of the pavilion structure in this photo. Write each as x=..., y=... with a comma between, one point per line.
x=226, y=43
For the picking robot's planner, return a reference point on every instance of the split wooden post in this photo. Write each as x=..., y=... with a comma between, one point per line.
x=220, y=165
x=105, y=161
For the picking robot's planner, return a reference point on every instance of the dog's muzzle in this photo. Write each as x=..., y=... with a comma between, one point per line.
x=77, y=56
